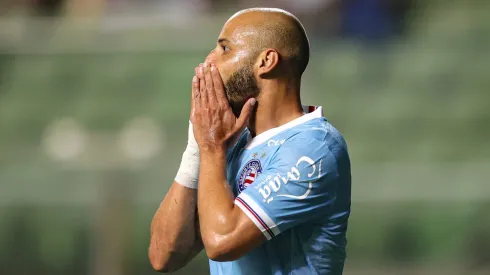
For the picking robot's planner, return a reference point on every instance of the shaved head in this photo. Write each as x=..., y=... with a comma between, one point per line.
x=257, y=46
x=278, y=29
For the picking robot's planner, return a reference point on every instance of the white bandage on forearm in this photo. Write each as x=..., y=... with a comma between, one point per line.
x=188, y=173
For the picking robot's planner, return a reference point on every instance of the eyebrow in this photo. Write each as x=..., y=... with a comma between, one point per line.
x=221, y=40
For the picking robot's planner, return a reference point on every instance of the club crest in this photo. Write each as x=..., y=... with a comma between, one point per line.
x=249, y=173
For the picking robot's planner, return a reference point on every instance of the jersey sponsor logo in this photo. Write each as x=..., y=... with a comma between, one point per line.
x=249, y=173
x=269, y=187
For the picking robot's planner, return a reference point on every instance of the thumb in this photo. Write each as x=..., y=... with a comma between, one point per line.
x=245, y=114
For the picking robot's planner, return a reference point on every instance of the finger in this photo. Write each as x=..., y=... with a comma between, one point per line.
x=195, y=93
x=245, y=115
x=209, y=84
x=219, y=88
x=199, y=71
x=196, y=74
x=203, y=96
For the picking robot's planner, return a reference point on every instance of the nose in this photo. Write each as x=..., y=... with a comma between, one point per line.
x=211, y=58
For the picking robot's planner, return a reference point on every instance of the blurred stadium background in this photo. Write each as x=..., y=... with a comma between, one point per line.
x=94, y=103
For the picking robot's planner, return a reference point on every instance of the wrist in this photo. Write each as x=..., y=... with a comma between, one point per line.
x=191, y=140
x=188, y=173
x=209, y=151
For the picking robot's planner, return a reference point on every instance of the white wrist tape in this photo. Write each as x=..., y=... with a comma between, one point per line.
x=188, y=173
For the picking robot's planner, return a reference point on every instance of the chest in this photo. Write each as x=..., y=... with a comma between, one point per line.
x=245, y=166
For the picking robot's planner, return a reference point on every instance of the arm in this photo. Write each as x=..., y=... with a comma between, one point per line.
x=227, y=232
x=299, y=185
x=175, y=236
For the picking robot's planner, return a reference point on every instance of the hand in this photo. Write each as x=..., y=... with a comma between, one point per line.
x=211, y=115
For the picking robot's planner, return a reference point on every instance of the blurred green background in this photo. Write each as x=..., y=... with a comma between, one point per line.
x=94, y=104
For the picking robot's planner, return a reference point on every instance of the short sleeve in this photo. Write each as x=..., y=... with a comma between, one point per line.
x=299, y=185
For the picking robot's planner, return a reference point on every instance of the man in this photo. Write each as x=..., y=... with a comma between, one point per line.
x=273, y=198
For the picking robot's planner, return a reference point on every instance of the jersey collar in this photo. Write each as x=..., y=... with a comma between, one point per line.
x=311, y=112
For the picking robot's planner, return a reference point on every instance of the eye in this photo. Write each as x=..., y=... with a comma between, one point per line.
x=225, y=48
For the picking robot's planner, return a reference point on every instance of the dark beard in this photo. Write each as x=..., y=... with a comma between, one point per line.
x=241, y=86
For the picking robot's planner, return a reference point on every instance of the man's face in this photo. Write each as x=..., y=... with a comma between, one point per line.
x=234, y=58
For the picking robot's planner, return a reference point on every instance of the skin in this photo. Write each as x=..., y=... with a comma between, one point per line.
x=246, y=81
x=227, y=233
x=175, y=237
x=279, y=87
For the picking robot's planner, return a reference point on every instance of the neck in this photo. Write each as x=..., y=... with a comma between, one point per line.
x=278, y=104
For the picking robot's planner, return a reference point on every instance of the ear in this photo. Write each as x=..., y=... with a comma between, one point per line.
x=268, y=62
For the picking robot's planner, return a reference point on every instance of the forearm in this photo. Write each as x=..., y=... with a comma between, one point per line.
x=215, y=199
x=175, y=236
x=226, y=231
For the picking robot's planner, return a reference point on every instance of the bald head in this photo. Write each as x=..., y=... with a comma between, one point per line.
x=276, y=29
x=259, y=49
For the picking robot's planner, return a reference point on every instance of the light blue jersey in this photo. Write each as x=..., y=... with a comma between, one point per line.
x=294, y=183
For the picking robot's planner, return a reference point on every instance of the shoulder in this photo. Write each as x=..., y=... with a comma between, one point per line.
x=317, y=136
x=314, y=144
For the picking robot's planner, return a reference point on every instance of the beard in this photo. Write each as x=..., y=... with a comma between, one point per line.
x=240, y=87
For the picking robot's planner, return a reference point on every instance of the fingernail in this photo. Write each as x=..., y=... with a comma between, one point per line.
x=212, y=68
x=205, y=65
x=201, y=70
x=194, y=79
x=253, y=101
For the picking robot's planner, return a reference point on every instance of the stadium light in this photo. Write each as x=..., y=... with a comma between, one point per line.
x=141, y=139
x=64, y=139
